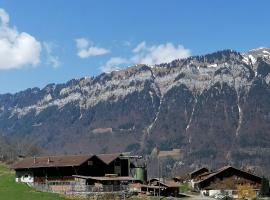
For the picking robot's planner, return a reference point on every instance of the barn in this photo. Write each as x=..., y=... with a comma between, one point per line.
x=64, y=167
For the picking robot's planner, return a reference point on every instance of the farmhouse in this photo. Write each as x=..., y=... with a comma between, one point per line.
x=63, y=168
x=225, y=180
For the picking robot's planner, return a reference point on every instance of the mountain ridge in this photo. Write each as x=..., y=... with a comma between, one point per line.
x=212, y=106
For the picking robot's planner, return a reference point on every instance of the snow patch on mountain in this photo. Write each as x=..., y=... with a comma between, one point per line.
x=267, y=79
x=196, y=73
x=43, y=104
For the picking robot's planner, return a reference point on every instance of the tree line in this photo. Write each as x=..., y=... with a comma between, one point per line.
x=16, y=147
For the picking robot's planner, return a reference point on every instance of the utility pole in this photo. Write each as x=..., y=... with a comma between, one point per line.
x=158, y=176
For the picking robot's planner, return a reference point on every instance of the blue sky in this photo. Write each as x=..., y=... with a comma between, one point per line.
x=54, y=41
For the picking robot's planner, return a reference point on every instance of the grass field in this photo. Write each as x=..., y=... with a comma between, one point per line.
x=9, y=190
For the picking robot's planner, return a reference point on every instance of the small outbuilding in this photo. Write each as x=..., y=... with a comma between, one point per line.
x=168, y=187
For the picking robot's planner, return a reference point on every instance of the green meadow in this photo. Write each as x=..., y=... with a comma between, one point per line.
x=10, y=190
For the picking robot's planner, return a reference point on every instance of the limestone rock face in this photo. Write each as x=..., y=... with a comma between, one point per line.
x=214, y=107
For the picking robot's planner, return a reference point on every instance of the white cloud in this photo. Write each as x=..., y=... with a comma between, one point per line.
x=85, y=51
x=139, y=47
x=92, y=51
x=82, y=43
x=151, y=55
x=51, y=59
x=16, y=49
x=113, y=64
x=4, y=16
x=157, y=54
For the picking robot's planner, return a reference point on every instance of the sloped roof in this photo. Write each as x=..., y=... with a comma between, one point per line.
x=106, y=178
x=224, y=169
x=170, y=183
x=62, y=160
x=198, y=170
x=52, y=161
x=215, y=173
x=164, y=182
x=108, y=158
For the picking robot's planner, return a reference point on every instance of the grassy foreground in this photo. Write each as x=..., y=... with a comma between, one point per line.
x=9, y=190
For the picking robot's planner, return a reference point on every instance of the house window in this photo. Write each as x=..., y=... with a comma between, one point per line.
x=90, y=162
x=26, y=176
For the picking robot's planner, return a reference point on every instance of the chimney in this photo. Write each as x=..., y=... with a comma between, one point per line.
x=35, y=159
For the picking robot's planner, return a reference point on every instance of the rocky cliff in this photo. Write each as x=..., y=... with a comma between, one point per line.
x=215, y=107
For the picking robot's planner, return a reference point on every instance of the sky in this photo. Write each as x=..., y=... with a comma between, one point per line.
x=53, y=41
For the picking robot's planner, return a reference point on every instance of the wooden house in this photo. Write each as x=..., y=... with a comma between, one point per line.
x=226, y=180
x=62, y=168
x=167, y=187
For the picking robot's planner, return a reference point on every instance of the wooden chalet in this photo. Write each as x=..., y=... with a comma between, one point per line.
x=226, y=179
x=62, y=168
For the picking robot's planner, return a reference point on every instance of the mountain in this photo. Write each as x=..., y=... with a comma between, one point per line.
x=216, y=108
